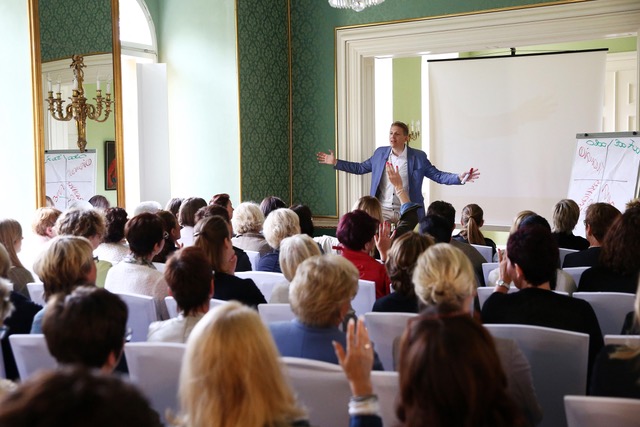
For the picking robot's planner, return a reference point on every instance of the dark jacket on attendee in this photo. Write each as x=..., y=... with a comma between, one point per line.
x=585, y=258
x=228, y=287
x=615, y=377
x=571, y=241
x=603, y=279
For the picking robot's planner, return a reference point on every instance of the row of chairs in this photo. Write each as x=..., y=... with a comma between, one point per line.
x=574, y=272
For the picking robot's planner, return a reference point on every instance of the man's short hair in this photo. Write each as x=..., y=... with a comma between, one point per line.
x=535, y=251
x=600, y=216
x=84, y=327
x=188, y=274
x=143, y=232
x=443, y=209
x=437, y=227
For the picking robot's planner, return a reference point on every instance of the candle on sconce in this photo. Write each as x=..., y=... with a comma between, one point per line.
x=59, y=91
x=418, y=126
x=108, y=88
x=98, y=84
x=49, y=82
x=75, y=84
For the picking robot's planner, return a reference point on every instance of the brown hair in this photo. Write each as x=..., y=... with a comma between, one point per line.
x=210, y=234
x=402, y=125
x=188, y=209
x=599, y=218
x=402, y=259
x=43, y=219
x=10, y=232
x=621, y=244
x=189, y=275
x=81, y=222
x=472, y=218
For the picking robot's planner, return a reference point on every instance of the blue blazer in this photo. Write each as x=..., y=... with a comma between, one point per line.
x=418, y=167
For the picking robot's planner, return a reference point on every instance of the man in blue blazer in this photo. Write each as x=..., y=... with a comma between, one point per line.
x=412, y=164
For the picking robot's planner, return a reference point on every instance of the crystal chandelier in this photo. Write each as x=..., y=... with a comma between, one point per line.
x=357, y=5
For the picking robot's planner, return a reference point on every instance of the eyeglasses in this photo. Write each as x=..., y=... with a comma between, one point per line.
x=165, y=235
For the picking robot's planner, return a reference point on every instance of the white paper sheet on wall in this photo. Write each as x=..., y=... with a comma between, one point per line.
x=70, y=176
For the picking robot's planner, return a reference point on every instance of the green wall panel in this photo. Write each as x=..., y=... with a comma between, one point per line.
x=68, y=27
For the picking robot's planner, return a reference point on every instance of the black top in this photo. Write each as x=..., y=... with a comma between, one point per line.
x=228, y=287
x=18, y=323
x=541, y=307
x=243, y=263
x=585, y=258
x=602, y=279
x=571, y=241
x=614, y=377
x=396, y=303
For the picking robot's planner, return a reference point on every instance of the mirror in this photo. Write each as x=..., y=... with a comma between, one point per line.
x=60, y=30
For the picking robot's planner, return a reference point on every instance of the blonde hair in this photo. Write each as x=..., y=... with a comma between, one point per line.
x=321, y=284
x=279, y=224
x=247, y=218
x=518, y=219
x=5, y=262
x=565, y=216
x=64, y=264
x=217, y=391
x=294, y=250
x=370, y=205
x=472, y=218
x=444, y=275
x=43, y=219
x=81, y=222
x=10, y=233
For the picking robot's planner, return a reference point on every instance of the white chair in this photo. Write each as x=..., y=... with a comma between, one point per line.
x=610, y=308
x=142, y=311
x=155, y=368
x=485, y=251
x=36, y=293
x=488, y=267
x=254, y=256
x=172, y=306
x=363, y=301
x=595, y=411
x=275, y=312
x=575, y=273
x=264, y=280
x=563, y=253
x=323, y=390
x=383, y=329
x=31, y=354
x=484, y=292
x=160, y=266
x=628, y=340
x=558, y=362
x=216, y=302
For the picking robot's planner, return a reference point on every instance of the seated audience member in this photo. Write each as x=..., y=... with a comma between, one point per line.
x=471, y=219
x=76, y=397
x=99, y=202
x=170, y=236
x=150, y=206
x=436, y=227
x=42, y=228
x=247, y=224
x=191, y=282
x=616, y=372
x=565, y=217
x=358, y=234
x=226, y=335
x=213, y=238
x=270, y=204
x=445, y=283
x=6, y=307
x=448, y=212
x=598, y=219
x=400, y=264
x=293, y=250
x=11, y=238
x=113, y=247
x=370, y=205
x=320, y=295
x=530, y=262
x=86, y=328
x=223, y=200
x=306, y=219
x=243, y=263
x=87, y=223
x=279, y=224
x=619, y=265
x=20, y=317
x=173, y=206
x=64, y=265
x=187, y=218
x=136, y=274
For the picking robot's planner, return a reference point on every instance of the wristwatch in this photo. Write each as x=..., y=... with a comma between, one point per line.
x=503, y=284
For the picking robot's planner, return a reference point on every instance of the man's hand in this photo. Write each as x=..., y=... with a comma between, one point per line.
x=327, y=159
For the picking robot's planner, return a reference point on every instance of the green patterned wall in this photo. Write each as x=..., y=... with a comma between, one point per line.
x=68, y=27
x=264, y=126
x=264, y=98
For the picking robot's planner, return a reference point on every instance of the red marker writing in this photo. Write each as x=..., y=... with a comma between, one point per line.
x=467, y=176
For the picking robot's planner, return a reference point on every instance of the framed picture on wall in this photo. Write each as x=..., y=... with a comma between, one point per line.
x=110, y=173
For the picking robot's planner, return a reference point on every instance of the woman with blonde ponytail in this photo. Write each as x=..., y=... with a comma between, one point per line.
x=471, y=219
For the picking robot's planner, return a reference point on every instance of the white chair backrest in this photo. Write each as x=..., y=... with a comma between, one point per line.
x=216, y=302
x=484, y=292
x=172, y=306
x=155, y=368
x=363, y=301
x=575, y=273
x=327, y=243
x=31, y=354
x=264, y=280
x=254, y=256
x=142, y=311
x=160, y=266
x=384, y=328
x=610, y=307
x=563, y=253
x=595, y=411
x=628, y=340
x=485, y=251
x=275, y=312
x=324, y=391
x=488, y=267
x=558, y=362
x=36, y=293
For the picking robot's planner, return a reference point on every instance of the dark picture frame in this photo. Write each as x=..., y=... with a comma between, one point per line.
x=110, y=172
